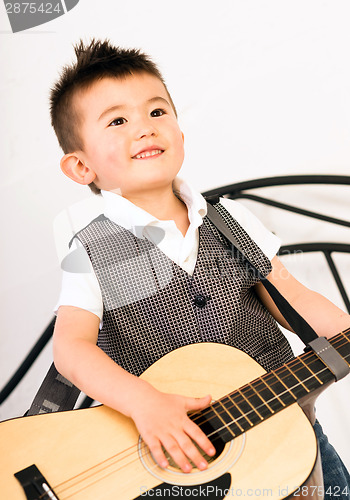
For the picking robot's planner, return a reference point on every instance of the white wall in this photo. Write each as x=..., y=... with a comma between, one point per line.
x=262, y=89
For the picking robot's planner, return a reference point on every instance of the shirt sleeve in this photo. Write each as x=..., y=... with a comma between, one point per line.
x=267, y=241
x=80, y=287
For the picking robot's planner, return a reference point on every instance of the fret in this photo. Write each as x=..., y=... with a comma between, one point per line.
x=342, y=339
x=255, y=397
x=310, y=371
x=270, y=399
x=212, y=425
x=246, y=408
x=342, y=343
x=323, y=372
x=258, y=400
x=255, y=400
x=292, y=384
x=305, y=375
x=243, y=392
x=285, y=386
x=228, y=418
x=225, y=431
x=243, y=423
x=345, y=334
x=297, y=378
x=318, y=368
x=232, y=416
x=269, y=394
x=345, y=353
x=279, y=389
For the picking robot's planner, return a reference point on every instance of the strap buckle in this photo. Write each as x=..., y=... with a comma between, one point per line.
x=330, y=357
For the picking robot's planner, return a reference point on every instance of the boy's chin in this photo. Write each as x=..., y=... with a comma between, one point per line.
x=150, y=180
x=145, y=182
x=143, y=188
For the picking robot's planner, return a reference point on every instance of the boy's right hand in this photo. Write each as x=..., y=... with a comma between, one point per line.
x=162, y=420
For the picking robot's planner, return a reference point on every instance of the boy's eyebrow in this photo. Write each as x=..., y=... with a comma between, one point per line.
x=109, y=110
x=121, y=106
x=158, y=98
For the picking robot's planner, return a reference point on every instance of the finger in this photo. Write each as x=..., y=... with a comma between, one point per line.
x=172, y=447
x=192, y=452
x=158, y=453
x=199, y=437
x=197, y=403
x=194, y=430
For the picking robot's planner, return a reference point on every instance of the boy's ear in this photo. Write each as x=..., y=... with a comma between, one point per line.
x=73, y=167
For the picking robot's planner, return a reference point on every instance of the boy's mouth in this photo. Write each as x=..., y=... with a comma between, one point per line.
x=147, y=153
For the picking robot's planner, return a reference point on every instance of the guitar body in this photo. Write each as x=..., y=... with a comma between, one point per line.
x=272, y=459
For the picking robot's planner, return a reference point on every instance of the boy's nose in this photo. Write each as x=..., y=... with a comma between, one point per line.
x=146, y=130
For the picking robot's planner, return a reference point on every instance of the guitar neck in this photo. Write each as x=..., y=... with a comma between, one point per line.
x=249, y=405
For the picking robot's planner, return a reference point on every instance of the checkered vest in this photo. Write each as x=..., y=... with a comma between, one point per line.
x=151, y=306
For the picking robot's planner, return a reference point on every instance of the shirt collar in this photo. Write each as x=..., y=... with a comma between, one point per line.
x=124, y=213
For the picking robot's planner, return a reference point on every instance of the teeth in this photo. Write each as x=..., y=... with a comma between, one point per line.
x=148, y=153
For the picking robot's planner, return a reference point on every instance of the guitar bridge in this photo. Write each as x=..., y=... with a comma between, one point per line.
x=35, y=485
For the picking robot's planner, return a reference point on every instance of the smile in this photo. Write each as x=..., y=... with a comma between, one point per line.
x=146, y=154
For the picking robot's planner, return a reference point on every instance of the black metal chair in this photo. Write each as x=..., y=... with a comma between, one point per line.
x=240, y=191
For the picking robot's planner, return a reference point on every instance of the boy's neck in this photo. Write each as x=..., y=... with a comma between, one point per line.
x=164, y=205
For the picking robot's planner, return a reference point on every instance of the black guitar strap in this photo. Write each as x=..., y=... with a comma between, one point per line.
x=56, y=393
x=320, y=345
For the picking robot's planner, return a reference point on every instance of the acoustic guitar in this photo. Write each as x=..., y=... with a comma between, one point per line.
x=266, y=446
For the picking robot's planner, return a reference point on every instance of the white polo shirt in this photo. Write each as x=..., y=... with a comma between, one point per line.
x=81, y=289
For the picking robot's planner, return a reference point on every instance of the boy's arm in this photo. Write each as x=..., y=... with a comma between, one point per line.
x=321, y=314
x=160, y=418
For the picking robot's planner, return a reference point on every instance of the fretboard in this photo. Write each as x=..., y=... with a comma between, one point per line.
x=261, y=398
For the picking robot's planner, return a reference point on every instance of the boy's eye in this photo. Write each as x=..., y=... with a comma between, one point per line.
x=118, y=121
x=158, y=112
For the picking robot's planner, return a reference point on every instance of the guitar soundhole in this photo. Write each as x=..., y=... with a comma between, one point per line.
x=227, y=454
x=219, y=447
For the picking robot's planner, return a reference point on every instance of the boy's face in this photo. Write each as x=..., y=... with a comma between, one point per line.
x=132, y=140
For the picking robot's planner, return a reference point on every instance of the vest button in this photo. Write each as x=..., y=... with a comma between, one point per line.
x=200, y=301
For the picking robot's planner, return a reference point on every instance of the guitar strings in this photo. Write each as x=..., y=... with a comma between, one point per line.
x=208, y=435
x=90, y=483
x=258, y=383
x=260, y=406
x=141, y=473
x=105, y=475
x=133, y=449
x=271, y=379
x=101, y=478
x=129, y=452
x=146, y=452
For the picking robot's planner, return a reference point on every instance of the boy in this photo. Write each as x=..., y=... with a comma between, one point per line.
x=155, y=284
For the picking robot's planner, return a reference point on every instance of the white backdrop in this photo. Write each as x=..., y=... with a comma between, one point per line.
x=262, y=88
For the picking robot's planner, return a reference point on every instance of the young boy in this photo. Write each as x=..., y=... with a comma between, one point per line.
x=156, y=282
